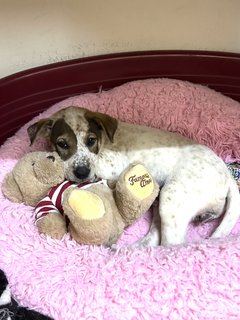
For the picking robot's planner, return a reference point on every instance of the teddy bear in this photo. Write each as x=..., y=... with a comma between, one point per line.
x=94, y=213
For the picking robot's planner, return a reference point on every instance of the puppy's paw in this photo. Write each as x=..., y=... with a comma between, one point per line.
x=148, y=241
x=205, y=217
x=115, y=247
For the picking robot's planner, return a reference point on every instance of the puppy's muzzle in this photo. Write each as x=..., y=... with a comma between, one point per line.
x=81, y=172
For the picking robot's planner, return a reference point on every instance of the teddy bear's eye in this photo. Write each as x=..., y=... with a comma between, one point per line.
x=61, y=143
x=33, y=163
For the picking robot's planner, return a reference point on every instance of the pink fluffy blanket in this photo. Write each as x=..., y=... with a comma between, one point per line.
x=200, y=280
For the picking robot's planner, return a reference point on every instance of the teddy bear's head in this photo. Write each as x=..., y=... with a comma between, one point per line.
x=33, y=176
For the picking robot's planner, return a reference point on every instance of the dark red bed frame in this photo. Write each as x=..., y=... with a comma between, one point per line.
x=25, y=94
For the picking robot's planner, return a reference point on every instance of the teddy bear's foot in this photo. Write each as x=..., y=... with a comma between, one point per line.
x=53, y=225
x=139, y=182
x=86, y=204
x=139, y=190
x=93, y=215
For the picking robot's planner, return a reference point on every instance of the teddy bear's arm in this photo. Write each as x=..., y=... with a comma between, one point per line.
x=49, y=216
x=52, y=203
x=44, y=207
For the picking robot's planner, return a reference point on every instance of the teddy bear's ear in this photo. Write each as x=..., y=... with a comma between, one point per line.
x=10, y=189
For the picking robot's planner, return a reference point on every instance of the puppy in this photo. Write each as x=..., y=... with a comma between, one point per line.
x=194, y=181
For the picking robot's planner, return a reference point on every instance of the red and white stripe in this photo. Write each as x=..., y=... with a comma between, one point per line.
x=52, y=203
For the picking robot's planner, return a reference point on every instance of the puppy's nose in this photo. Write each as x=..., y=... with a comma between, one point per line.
x=51, y=158
x=81, y=172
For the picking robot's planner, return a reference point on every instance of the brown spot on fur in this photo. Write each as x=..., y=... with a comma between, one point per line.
x=74, y=117
x=95, y=130
x=103, y=122
x=61, y=131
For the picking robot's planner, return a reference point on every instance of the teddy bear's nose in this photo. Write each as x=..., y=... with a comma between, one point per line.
x=51, y=158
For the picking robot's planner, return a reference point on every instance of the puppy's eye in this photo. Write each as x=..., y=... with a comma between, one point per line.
x=61, y=143
x=91, y=141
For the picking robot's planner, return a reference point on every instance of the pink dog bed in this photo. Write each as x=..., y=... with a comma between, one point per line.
x=200, y=280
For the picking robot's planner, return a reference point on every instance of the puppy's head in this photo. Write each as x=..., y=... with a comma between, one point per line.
x=78, y=136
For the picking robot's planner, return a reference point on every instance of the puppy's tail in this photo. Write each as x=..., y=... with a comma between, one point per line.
x=232, y=212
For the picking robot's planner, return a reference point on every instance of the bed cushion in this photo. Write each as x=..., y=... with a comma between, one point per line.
x=69, y=281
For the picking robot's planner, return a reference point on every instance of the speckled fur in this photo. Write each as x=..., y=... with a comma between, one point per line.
x=193, y=179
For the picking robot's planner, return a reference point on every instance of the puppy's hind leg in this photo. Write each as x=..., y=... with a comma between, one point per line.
x=170, y=220
x=174, y=228
x=153, y=237
x=176, y=211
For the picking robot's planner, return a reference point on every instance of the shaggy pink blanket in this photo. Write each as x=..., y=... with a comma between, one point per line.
x=200, y=280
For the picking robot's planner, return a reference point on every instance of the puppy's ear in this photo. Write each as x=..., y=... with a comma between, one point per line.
x=11, y=189
x=42, y=127
x=103, y=121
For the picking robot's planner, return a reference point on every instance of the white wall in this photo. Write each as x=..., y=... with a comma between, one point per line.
x=36, y=32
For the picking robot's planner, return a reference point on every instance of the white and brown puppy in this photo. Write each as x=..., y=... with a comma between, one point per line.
x=194, y=180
